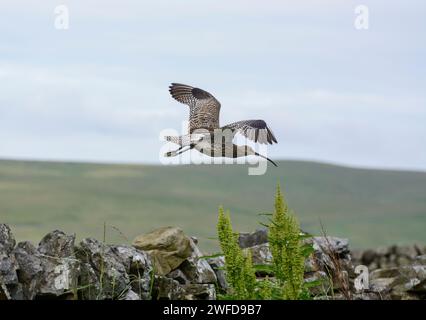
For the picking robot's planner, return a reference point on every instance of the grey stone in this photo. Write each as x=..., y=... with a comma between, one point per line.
x=381, y=285
x=10, y=288
x=138, y=266
x=368, y=296
x=199, y=292
x=246, y=240
x=410, y=252
x=404, y=295
x=336, y=296
x=218, y=266
x=387, y=257
x=89, y=284
x=7, y=240
x=50, y=270
x=406, y=282
x=8, y=268
x=338, y=245
x=195, y=250
x=167, y=289
x=384, y=273
x=56, y=269
x=133, y=260
x=261, y=254
x=57, y=244
x=60, y=267
x=131, y=295
x=331, y=254
x=197, y=270
x=419, y=287
x=179, y=276
x=111, y=280
x=420, y=260
x=60, y=277
x=30, y=268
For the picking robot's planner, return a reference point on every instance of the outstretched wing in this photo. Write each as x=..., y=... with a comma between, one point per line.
x=255, y=130
x=203, y=107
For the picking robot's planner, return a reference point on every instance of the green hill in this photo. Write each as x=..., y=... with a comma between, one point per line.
x=370, y=207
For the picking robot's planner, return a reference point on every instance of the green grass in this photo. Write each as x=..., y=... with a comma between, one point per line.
x=370, y=207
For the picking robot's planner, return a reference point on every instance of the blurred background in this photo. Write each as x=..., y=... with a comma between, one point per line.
x=82, y=108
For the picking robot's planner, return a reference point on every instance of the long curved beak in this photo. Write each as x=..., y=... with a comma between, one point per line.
x=259, y=155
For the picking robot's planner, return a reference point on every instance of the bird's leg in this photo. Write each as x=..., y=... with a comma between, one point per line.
x=173, y=153
x=191, y=146
x=178, y=151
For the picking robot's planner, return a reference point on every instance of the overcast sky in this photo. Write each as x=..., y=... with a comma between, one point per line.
x=99, y=90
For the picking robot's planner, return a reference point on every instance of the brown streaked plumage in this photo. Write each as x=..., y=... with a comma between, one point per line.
x=204, y=110
x=203, y=107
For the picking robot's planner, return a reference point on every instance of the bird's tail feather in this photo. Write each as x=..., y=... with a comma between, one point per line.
x=174, y=139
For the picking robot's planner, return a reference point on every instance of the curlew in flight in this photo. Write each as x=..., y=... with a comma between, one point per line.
x=205, y=134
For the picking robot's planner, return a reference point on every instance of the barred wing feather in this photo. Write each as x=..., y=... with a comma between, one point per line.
x=255, y=130
x=204, y=108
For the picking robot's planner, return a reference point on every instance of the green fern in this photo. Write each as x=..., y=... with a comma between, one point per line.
x=249, y=275
x=288, y=258
x=238, y=265
x=286, y=249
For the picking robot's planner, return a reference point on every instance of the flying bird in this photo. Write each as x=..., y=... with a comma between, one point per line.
x=205, y=133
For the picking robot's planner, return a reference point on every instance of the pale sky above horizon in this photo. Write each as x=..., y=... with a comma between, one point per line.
x=99, y=91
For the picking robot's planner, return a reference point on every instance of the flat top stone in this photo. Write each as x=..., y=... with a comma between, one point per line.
x=168, y=247
x=166, y=238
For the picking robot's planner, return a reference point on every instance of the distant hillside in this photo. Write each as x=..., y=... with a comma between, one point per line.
x=370, y=207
